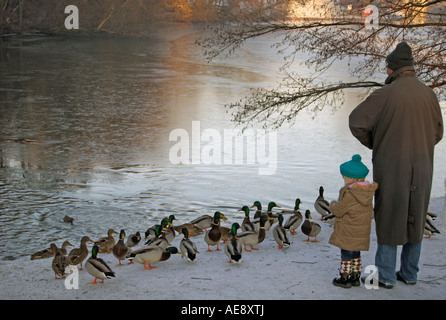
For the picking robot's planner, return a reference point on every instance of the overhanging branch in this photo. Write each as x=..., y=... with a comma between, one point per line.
x=274, y=107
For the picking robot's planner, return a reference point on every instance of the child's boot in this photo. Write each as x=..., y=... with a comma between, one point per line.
x=345, y=271
x=356, y=271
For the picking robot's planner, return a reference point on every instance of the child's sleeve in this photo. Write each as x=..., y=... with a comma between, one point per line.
x=340, y=207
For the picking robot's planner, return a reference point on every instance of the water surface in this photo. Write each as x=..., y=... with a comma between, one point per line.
x=85, y=124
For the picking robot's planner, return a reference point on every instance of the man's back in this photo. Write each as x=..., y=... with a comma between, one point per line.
x=401, y=122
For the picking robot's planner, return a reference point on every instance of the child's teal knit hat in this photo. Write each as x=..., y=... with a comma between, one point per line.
x=354, y=168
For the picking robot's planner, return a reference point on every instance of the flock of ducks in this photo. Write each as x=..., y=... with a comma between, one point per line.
x=158, y=238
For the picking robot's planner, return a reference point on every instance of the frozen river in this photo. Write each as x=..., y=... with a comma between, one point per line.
x=94, y=127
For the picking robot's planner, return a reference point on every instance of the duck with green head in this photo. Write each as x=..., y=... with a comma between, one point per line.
x=295, y=220
x=258, y=212
x=247, y=223
x=280, y=234
x=169, y=231
x=166, y=228
x=98, y=268
x=188, y=248
x=274, y=216
x=268, y=213
x=160, y=238
x=213, y=236
x=234, y=247
x=296, y=208
x=254, y=237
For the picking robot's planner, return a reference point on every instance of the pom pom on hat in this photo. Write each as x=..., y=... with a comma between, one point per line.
x=354, y=168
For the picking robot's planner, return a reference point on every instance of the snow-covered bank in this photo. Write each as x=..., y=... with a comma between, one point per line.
x=302, y=271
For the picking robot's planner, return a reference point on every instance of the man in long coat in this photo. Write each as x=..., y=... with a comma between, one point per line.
x=401, y=122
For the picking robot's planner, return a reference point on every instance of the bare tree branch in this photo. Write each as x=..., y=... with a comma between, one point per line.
x=333, y=36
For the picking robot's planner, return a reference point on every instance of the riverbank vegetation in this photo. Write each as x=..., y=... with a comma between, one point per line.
x=126, y=17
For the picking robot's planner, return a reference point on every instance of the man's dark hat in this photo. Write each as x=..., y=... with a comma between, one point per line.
x=400, y=57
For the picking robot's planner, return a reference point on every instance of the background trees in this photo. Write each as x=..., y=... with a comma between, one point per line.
x=323, y=31
x=114, y=16
x=327, y=32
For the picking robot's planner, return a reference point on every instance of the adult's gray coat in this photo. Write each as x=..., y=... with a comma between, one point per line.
x=401, y=122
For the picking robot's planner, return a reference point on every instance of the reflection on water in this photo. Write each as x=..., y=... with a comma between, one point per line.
x=85, y=125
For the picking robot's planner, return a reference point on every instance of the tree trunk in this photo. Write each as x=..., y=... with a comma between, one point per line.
x=21, y=4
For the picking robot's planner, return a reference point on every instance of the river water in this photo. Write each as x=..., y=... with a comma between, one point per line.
x=93, y=127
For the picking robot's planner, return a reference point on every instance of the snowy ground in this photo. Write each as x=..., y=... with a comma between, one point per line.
x=302, y=271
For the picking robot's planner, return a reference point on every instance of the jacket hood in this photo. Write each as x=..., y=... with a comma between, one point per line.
x=363, y=192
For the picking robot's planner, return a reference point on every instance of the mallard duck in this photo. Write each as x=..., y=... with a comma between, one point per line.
x=247, y=225
x=254, y=237
x=310, y=228
x=429, y=228
x=268, y=213
x=234, y=247
x=48, y=253
x=152, y=254
x=321, y=205
x=432, y=215
x=133, y=239
x=293, y=222
x=68, y=219
x=258, y=212
x=164, y=223
x=98, y=268
x=120, y=249
x=150, y=233
x=279, y=233
x=168, y=230
x=188, y=248
x=205, y=221
x=160, y=238
x=191, y=228
x=330, y=219
x=64, y=249
x=225, y=234
x=274, y=216
x=78, y=255
x=213, y=236
x=60, y=263
x=106, y=243
x=296, y=208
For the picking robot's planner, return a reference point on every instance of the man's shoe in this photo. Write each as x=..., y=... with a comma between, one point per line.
x=385, y=285
x=398, y=277
x=380, y=284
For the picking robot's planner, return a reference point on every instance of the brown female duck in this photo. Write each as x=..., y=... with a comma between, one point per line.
x=78, y=255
